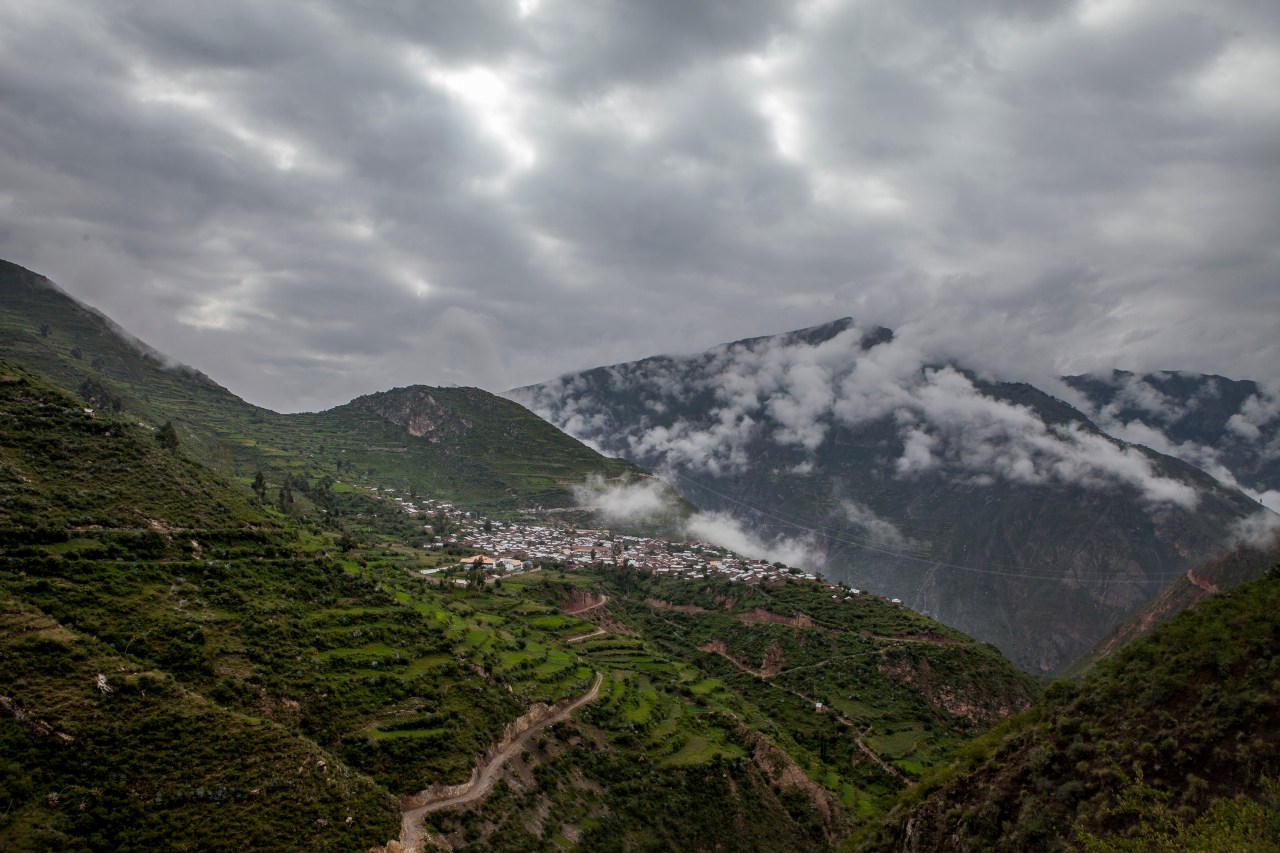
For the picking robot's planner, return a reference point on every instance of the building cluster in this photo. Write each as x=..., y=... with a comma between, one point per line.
x=509, y=547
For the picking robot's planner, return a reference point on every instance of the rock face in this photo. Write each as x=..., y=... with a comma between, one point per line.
x=417, y=411
x=991, y=506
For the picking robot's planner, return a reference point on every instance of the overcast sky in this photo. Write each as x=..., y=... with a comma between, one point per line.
x=310, y=201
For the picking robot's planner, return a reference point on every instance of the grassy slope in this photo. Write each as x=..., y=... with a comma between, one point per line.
x=1171, y=743
x=243, y=651
x=505, y=457
x=685, y=750
x=62, y=465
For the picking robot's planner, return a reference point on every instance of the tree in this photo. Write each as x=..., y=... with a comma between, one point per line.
x=286, y=498
x=45, y=330
x=260, y=486
x=167, y=436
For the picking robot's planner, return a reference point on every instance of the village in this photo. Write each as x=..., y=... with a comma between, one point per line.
x=508, y=548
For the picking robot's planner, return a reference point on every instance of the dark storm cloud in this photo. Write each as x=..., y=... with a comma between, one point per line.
x=312, y=201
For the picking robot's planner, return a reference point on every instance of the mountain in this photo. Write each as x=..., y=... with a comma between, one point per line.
x=1228, y=427
x=1246, y=561
x=185, y=665
x=988, y=505
x=1172, y=743
x=460, y=443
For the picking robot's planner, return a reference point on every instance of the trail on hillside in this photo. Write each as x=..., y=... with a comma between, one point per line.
x=931, y=641
x=874, y=756
x=411, y=830
x=599, y=632
x=1203, y=584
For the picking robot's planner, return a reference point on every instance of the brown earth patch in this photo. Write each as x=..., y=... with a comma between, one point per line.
x=773, y=661
x=667, y=605
x=784, y=773
x=580, y=601
x=759, y=615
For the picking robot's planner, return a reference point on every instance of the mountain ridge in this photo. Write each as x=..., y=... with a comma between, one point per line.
x=849, y=440
x=87, y=353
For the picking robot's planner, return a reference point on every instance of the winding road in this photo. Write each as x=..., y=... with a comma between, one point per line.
x=411, y=830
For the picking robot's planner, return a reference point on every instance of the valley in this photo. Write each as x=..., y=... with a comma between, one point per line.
x=420, y=621
x=992, y=506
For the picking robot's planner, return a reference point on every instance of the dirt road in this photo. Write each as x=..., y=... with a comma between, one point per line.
x=411, y=831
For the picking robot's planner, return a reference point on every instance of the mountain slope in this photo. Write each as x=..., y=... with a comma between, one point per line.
x=497, y=455
x=1246, y=561
x=1228, y=427
x=258, y=683
x=990, y=506
x=1172, y=743
x=39, y=488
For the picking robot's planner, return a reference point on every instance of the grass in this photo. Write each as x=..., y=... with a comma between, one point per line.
x=393, y=682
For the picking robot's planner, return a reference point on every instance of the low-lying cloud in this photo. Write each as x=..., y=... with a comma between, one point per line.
x=1260, y=530
x=1239, y=436
x=879, y=531
x=622, y=501
x=793, y=393
x=723, y=529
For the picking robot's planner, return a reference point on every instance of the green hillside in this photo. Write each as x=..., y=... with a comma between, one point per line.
x=62, y=465
x=1172, y=743
x=498, y=457
x=185, y=668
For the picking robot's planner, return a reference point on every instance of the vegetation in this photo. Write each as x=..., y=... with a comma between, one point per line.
x=183, y=659
x=242, y=652
x=481, y=450
x=1171, y=743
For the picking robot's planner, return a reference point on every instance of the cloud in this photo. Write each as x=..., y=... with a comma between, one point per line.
x=994, y=438
x=1255, y=413
x=723, y=529
x=637, y=501
x=1260, y=530
x=297, y=198
x=879, y=530
x=792, y=391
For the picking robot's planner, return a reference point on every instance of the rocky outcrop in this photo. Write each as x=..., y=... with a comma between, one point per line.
x=417, y=412
x=581, y=600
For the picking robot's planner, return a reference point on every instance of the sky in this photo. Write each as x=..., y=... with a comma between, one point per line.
x=312, y=201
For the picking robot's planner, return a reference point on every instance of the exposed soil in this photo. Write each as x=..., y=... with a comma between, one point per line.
x=667, y=605
x=772, y=665
x=800, y=620
x=1203, y=584
x=412, y=833
x=582, y=601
